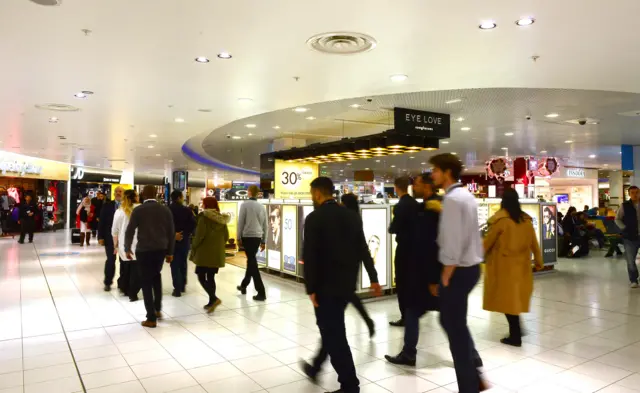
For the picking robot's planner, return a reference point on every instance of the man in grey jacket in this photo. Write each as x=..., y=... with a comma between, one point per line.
x=252, y=230
x=156, y=241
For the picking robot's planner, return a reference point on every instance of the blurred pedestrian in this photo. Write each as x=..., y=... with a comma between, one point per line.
x=85, y=215
x=107, y=213
x=184, y=222
x=252, y=230
x=27, y=212
x=128, y=282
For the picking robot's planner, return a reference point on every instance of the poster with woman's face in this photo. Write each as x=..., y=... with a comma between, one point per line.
x=375, y=233
x=549, y=233
x=274, y=236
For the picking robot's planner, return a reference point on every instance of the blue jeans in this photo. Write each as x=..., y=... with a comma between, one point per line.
x=630, y=251
x=179, y=265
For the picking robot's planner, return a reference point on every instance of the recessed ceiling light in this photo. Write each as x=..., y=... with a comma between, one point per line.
x=423, y=163
x=456, y=100
x=153, y=136
x=80, y=95
x=444, y=142
x=398, y=78
x=178, y=120
x=199, y=169
x=377, y=160
x=465, y=129
x=202, y=59
x=250, y=134
x=170, y=160
x=348, y=164
x=355, y=105
x=366, y=169
x=393, y=166
x=543, y=152
x=508, y=134
x=551, y=115
x=505, y=148
x=245, y=100
x=53, y=119
x=300, y=109
x=568, y=141
x=236, y=137
x=276, y=127
x=525, y=21
x=592, y=156
x=224, y=55
x=411, y=158
x=606, y=164
x=150, y=147
x=158, y=155
x=459, y=118
x=310, y=118
x=488, y=25
x=454, y=153
x=250, y=125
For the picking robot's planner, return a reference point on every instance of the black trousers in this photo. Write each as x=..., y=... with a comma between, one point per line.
x=207, y=278
x=251, y=246
x=515, y=332
x=330, y=319
x=400, y=262
x=179, y=265
x=128, y=281
x=110, y=263
x=27, y=226
x=149, y=268
x=454, y=301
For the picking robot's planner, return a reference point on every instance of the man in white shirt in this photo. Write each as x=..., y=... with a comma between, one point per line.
x=461, y=252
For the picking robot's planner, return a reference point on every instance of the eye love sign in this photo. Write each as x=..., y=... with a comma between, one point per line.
x=428, y=124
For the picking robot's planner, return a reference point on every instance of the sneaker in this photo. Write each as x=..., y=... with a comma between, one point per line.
x=242, y=290
x=149, y=324
x=213, y=307
x=511, y=341
x=176, y=293
x=398, y=323
x=309, y=371
x=260, y=298
x=401, y=359
x=634, y=285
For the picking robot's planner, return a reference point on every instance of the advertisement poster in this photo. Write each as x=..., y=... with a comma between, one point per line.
x=262, y=255
x=303, y=212
x=549, y=233
x=232, y=210
x=534, y=211
x=375, y=232
x=394, y=245
x=289, y=238
x=274, y=236
x=293, y=179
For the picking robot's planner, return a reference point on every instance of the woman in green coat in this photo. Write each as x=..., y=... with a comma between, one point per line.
x=208, y=248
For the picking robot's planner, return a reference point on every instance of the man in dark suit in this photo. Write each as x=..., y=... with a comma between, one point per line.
x=185, y=223
x=107, y=211
x=404, y=213
x=331, y=264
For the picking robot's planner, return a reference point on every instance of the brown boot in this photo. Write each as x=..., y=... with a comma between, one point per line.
x=159, y=315
x=82, y=236
x=149, y=324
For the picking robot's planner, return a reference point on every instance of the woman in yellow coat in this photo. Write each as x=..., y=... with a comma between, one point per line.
x=508, y=282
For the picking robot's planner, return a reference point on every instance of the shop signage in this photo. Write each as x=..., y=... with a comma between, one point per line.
x=21, y=168
x=293, y=179
x=429, y=124
x=81, y=174
x=575, y=172
x=18, y=165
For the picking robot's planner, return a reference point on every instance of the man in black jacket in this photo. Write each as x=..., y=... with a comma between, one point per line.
x=334, y=246
x=628, y=221
x=27, y=214
x=421, y=285
x=98, y=202
x=184, y=222
x=404, y=213
x=107, y=211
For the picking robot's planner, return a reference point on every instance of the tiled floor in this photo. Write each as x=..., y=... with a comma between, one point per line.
x=59, y=333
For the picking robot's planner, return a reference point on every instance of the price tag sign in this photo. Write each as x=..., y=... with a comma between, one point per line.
x=293, y=179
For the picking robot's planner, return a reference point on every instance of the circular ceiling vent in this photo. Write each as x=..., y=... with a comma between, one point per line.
x=342, y=43
x=58, y=107
x=47, y=2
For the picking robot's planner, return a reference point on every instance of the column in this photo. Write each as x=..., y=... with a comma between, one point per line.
x=616, y=192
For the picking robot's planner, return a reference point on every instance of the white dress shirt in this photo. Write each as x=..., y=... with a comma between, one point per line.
x=459, y=231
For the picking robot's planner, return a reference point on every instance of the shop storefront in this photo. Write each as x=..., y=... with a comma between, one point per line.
x=158, y=181
x=87, y=181
x=45, y=180
x=196, y=191
x=576, y=187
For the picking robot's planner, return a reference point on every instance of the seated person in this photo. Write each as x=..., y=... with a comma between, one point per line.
x=615, y=238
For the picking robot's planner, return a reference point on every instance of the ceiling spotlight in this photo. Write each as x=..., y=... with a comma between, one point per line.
x=202, y=59
x=525, y=21
x=551, y=115
x=199, y=169
x=456, y=100
x=170, y=160
x=366, y=169
x=80, y=95
x=508, y=134
x=569, y=141
x=411, y=158
x=592, y=156
x=158, y=155
x=488, y=25
x=465, y=129
x=459, y=118
x=276, y=127
x=250, y=125
x=53, y=120
x=543, y=152
x=393, y=166
x=178, y=120
x=150, y=147
x=505, y=148
x=423, y=163
x=444, y=142
x=310, y=118
x=153, y=136
x=224, y=55
x=245, y=100
x=300, y=109
x=250, y=134
x=348, y=164
x=377, y=160
x=398, y=78
x=355, y=106
x=236, y=137
x=454, y=153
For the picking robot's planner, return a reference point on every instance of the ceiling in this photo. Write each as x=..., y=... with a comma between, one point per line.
x=138, y=59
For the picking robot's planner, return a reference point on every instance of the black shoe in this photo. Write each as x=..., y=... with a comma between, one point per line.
x=478, y=362
x=176, y=293
x=134, y=299
x=372, y=327
x=107, y=288
x=608, y=255
x=511, y=341
x=31, y=241
x=309, y=371
x=242, y=290
x=401, y=359
x=398, y=323
x=21, y=241
x=260, y=298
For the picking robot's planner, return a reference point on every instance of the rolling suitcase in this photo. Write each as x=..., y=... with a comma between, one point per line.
x=75, y=236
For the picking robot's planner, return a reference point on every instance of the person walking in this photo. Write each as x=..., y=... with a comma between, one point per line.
x=334, y=246
x=156, y=240
x=460, y=252
x=208, y=248
x=508, y=280
x=628, y=220
x=404, y=213
x=97, y=202
x=85, y=214
x=424, y=267
x=128, y=281
x=252, y=230
x=105, y=238
x=184, y=222
x=27, y=212
x=350, y=202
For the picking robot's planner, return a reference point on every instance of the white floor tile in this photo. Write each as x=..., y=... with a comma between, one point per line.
x=214, y=372
x=49, y=373
x=125, y=387
x=406, y=384
x=108, y=377
x=240, y=384
x=64, y=385
x=275, y=377
x=168, y=382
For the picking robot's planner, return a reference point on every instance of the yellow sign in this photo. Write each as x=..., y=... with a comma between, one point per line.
x=17, y=165
x=231, y=208
x=125, y=187
x=293, y=179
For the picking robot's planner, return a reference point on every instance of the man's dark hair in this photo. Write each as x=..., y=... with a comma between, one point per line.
x=447, y=162
x=175, y=195
x=426, y=178
x=148, y=192
x=323, y=184
x=633, y=188
x=402, y=183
